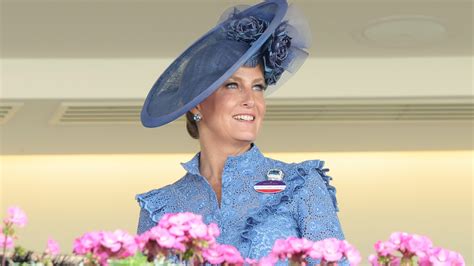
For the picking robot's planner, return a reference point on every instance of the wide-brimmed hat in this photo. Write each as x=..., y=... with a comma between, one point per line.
x=268, y=33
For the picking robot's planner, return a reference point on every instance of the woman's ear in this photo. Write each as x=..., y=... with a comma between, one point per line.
x=196, y=109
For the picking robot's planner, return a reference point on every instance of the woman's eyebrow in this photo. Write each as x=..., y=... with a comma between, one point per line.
x=240, y=79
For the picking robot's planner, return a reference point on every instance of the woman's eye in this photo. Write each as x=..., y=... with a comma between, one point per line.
x=231, y=85
x=260, y=87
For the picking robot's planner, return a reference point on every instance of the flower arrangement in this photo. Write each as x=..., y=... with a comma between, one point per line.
x=403, y=249
x=183, y=238
x=296, y=250
x=16, y=217
x=100, y=247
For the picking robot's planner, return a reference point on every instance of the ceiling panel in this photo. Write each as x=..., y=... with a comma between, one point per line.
x=107, y=29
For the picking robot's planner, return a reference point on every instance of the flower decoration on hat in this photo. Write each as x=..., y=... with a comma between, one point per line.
x=274, y=51
x=247, y=29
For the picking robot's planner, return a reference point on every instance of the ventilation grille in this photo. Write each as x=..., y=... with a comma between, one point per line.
x=7, y=111
x=97, y=113
x=317, y=110
x=369, y=112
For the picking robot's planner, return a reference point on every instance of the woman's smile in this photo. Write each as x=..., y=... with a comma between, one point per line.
x=244, y=117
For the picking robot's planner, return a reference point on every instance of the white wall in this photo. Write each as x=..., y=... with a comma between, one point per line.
x=130, y=78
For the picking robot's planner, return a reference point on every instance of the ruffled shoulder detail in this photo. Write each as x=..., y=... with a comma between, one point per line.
x=154, y=202
x=297, y=175
x=317, y=165
x=332, y=190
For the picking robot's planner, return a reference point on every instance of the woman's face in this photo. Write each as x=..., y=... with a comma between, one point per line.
x=235, y=111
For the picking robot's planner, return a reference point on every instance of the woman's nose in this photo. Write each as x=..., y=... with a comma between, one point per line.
x=248, y=99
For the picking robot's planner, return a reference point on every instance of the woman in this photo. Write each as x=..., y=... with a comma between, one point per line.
x=220, y=82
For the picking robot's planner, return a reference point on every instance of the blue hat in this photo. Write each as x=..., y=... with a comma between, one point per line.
x=265, y=34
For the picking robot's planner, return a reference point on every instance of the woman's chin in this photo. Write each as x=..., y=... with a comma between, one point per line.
x=245, y=137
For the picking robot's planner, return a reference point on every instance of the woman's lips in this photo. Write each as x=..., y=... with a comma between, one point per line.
x=244, y=117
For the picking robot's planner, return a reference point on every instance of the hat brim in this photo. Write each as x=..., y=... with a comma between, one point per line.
x=160, y=116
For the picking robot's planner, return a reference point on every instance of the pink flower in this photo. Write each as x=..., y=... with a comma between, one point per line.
x=16, y=216
x=280, y=247
x=327, y=250
x=400, y=240
x=444, y=257
x=418, y=245
x=198, y=230
x=268, y=261
x=385, y=248
x=413, y=245
x=231, y=255
x=110, y=241
x=374, y=260
x=178, y=233
x=218, y=254
x=331, y=251
x=250, y=261
x=52, y=247
x=129, y=244
x=296, y=249
x=163, y=237
x=456, y=259
x=106, y=245
x=316, y=251
x=213, y=255
x=5, y=241
x=353, y=256
x=86, y=243
x=213, y=230
x=395, y=261
x=299, y=244
x=439, y=256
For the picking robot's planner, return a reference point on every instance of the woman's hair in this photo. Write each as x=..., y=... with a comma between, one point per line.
x=191, y=126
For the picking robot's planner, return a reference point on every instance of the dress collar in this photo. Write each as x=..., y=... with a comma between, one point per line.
x=238, y=161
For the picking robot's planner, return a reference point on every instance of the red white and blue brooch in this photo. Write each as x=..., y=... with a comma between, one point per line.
x=273, y=184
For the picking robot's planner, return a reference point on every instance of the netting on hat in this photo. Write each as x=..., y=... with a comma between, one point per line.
x=293, y=28
x=298, y=28
x=205, y=66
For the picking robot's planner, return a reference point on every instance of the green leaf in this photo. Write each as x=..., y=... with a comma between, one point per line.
x=138, y=259
x=188, y=254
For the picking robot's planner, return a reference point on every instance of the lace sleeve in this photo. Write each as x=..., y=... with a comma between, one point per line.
x=152, y=207
x=144, y=221
x=316, y=204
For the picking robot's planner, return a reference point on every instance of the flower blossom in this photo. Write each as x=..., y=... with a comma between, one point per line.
x=179, y=233
x=106, y=245
x=52, y=247
x=441, y=257
x=5, y=241
x=219, y=254
x=297, y=250
x=16, y=216
x=410, y=245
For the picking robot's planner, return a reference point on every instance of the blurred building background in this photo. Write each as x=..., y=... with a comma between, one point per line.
x=386, y=100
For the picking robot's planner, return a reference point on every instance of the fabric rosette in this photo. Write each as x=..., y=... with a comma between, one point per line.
x=285, y=50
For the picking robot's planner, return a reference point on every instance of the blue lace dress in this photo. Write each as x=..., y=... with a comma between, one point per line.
x=249, y=220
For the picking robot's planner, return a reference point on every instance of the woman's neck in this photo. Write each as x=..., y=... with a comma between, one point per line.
x=213, y=158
